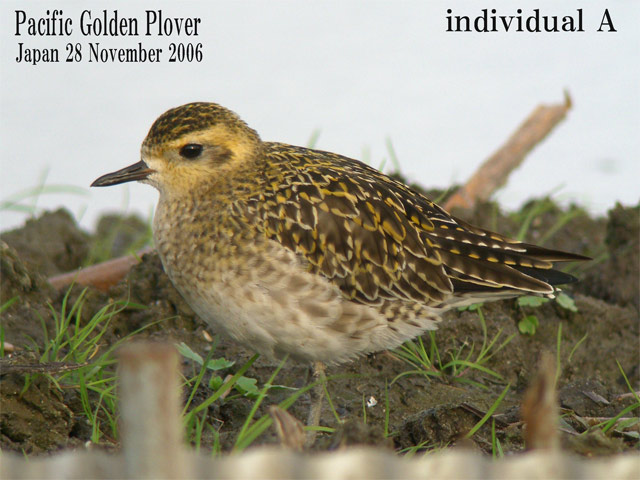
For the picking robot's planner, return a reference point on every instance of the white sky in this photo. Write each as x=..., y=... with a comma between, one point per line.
x=360, y=72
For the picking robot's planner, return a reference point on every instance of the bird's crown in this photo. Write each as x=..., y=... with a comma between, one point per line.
x=195, y=117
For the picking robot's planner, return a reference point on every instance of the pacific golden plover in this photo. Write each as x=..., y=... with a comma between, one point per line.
x=290, y=250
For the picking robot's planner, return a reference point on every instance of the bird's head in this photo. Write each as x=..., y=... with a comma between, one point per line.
x=188, y=146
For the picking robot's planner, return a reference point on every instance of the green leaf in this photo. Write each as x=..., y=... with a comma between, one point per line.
x=622, y=424
x=248, y=387
x=213, y=364
x=216, y=382
x=186, y=352
x=531, y=301
x=219, y=363
x=528, y=325
x=565, y=301
x=472, y=308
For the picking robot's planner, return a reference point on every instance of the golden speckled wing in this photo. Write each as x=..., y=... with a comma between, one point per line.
x=379, y=240
x=479, y=260
x=357, y=227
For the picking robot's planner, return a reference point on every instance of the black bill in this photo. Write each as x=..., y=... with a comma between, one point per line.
x=137, y=171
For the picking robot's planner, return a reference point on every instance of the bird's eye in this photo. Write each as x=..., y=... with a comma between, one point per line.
x=191, y=151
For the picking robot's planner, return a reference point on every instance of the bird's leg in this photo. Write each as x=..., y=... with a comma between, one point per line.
x=317, y=396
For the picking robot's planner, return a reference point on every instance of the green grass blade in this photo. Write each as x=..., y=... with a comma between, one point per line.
x=489, y=413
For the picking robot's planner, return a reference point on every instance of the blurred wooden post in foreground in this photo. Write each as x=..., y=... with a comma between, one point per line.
x=150, y=423
x=540, y=407
x=494, y=172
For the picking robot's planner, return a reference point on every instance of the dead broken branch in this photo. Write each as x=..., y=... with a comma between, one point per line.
x=493, y=173
x=102, y=275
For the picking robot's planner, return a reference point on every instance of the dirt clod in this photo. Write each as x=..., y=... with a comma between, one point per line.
x=51, y=243
x=617, y=281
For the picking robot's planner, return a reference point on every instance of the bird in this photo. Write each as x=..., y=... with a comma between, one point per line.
x=307, y=253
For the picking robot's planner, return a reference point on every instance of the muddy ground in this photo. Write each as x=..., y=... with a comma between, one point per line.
x=423, y=410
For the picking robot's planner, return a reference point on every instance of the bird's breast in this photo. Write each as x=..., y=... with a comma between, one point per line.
x=197, y=239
